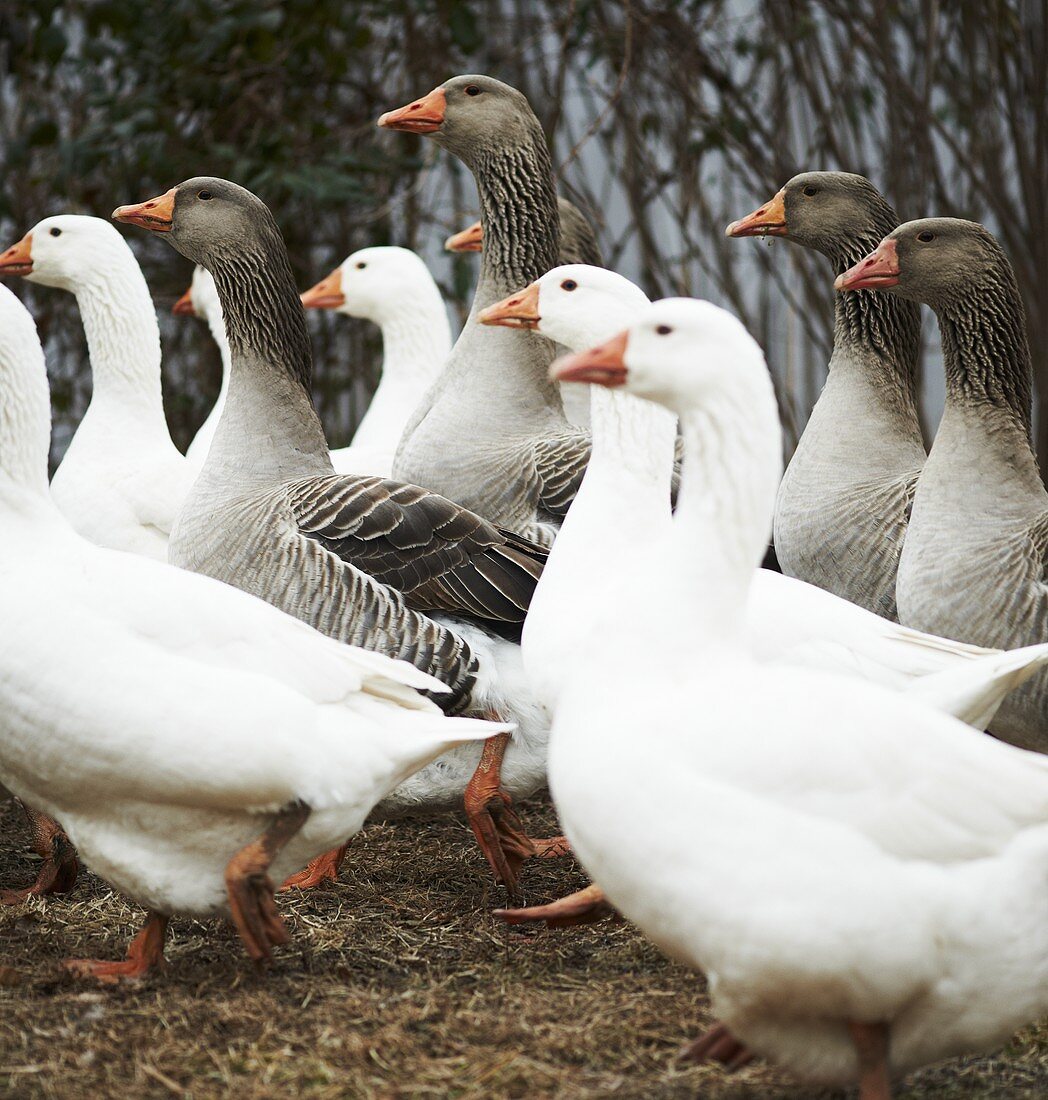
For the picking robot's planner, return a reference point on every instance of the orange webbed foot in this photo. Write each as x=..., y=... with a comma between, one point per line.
x=324, y=868
x=144, y=955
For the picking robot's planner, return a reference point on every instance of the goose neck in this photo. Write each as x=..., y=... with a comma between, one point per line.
x=882, y=330
x=732, y=467
x=269, y=429
x=518, y=212
x=986, y=352
x=123, y=340
x=416, y=340
x=25, y=412
x=634, y=438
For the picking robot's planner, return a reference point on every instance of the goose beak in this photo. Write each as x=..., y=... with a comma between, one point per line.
x=157, y=214
x=517, y=311
x=18, y=259
x=184, y=306
x=466, y=240
x=424, y=116
x=767, y=220
x=603, y=366
x=327, y=294
x=879, y=270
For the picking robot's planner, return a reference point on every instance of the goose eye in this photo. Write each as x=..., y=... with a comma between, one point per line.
x=926, y=235
x=55, y=231
x=569, y=284
x=361, y=264
x=205, y=195
x=811, y=189
x=664, y=330
x=472, y=89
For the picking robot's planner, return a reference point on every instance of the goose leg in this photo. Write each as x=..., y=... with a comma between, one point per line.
x=587, y=906
x=494, y=822
x=871, y=1045
x=718, y=1045
x=324, y=868
x=60, y=867
x=250, y=889
x=144, y=954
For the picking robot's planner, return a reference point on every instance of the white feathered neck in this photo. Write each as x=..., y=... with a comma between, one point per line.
x=25, y=404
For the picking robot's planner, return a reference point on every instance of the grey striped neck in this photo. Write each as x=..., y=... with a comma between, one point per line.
x=269, y=430
x=986, y=351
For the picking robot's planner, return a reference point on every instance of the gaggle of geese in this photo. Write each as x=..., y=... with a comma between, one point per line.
x=528, y=568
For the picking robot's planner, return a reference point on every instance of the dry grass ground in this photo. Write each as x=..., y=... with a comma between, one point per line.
x=397, y=984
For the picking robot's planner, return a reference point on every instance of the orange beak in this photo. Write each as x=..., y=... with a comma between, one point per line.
x=879, y=270
x=603, y=366
x=184, y=306
x=156, y=214
x=424, y=116
x=767, y=220
x=18, y=259
x=517, y=311
x=466, y=240
x=327, y=294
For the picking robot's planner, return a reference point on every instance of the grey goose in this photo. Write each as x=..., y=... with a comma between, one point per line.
x=362, y=559
x=975, y=563
x=842, y=508
x=491, y=433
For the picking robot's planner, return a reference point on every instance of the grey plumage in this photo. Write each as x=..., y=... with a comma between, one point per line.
x=359, y=558
x=491, y=433
x=844, y=502
x=974, y=563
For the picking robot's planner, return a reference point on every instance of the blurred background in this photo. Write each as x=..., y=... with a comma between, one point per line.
x=667, y=120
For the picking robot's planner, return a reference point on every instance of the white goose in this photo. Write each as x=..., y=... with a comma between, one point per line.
x=869, y=888
x=201, y=300
x=122, y=481
x=623, y=507
x=393, y=288
x=191, y=738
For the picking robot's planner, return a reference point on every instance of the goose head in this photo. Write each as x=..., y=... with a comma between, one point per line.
x=576, y=305
x=470, y=239
x=817, y=210
x=370, y=283
x=936, y=261
x=680, y=353
x=471, y=116
x=207, y=219
x=65, y=251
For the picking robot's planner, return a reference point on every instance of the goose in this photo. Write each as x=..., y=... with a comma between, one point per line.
x=491, y=433
x=122, y=480
x=362, y=559
x=578, y=245
x=841, y=513
x=622, y=507
x=869, y=888
x=973, y=566
x=191, y=738
x=393, y=288
x=201, y=300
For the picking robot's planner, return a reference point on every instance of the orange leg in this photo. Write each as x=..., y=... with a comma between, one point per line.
x=718, y=1045
x=494, y=822
x=250, y=888
x=144, y=954
x=322, y=869
x=587, y=906
x=60, y=867
x=871, y=1045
